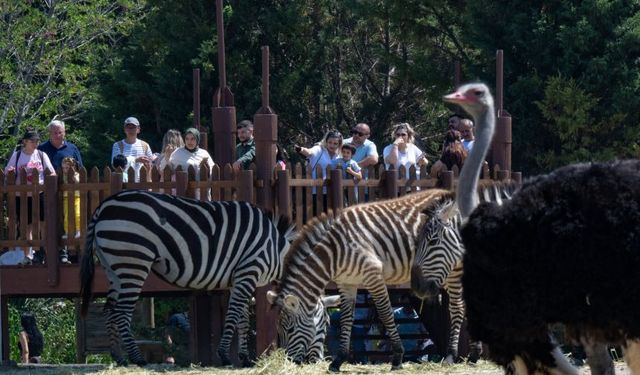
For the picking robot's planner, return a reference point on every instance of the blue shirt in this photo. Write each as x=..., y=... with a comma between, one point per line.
x=345, y=164
x=364, y=150
x=57, y=154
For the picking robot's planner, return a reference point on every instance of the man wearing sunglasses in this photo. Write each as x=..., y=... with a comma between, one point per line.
x=366, y=151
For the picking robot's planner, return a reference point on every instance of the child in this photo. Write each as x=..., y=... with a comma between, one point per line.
x=350, y=169
x=70, y=175
x=120, y=161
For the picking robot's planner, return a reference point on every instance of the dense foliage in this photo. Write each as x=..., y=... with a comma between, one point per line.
x=571, y=68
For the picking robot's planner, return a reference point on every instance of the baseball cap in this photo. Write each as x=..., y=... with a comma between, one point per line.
x=132, y=120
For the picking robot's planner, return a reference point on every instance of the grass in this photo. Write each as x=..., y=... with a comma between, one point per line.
x=274, y=364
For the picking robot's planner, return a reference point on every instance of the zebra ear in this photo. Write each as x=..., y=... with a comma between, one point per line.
x=447, y=211
x=331, y=301
x=291, y=303
x=272, y=297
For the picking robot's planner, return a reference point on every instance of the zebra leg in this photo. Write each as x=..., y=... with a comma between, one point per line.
x=112, y=331
x=456, y=316
x=374, y=282
x=347, y=303
x=237, y=316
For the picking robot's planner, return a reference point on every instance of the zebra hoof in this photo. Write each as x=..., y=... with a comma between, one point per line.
x=141, y=363
x=122, y=363
x=224, y=359
x=335, y=367
x=449, y=360
x=396, y=366
x=244, y=360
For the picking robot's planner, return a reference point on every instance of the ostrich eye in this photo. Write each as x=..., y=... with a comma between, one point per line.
x=478, y=92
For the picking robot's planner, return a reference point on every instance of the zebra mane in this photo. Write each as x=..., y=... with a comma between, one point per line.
x=286, y=227
x=306, y=239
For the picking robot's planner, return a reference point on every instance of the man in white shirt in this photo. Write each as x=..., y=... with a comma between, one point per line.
x=133, y=148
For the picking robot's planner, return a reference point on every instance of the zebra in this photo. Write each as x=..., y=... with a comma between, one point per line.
x=438, y=262
x=188, y=243
x=367, y=245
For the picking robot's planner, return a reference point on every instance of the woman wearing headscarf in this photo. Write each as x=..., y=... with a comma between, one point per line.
x=191, y=155
x=31, y=342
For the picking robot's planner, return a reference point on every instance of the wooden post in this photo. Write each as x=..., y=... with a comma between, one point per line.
x=224, y=112
x=4, y=324
x=115, y=184
x=204, y=142
x=284, y=194
x=245, y=186
x=52, y=228
x=504, y=174
x=517, y=177
x=390, y=179
x=336, y=190
x=501, y=145
x=456, y=74
x=447, y=179
x=266, y=135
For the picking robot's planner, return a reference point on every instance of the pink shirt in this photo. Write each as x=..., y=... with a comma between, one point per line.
x=38, y=160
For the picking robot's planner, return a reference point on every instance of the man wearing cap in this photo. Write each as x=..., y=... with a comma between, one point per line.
x=246, y=148
x=57, y=148
x=134, y=149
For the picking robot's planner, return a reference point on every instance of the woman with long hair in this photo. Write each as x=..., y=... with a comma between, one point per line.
x=403, y=151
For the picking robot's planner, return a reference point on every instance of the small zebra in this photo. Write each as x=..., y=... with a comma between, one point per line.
x=366, y=245
x=438, y=262
x=188, y=243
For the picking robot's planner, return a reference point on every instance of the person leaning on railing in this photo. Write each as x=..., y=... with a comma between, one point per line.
x=27, y=157
x=321, y=155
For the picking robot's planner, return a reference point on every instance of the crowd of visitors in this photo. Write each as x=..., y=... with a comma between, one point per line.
x=354, y=155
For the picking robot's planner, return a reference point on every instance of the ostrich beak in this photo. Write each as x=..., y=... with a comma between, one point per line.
x=456, y=98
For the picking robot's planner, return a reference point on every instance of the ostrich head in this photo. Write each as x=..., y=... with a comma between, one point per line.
x=476, y=100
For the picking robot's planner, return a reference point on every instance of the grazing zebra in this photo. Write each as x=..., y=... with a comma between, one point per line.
x=438, y=262
x=188, y=243
x=367, y=245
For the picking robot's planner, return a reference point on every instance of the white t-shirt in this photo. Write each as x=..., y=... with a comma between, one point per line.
x=407, y=158
x=319, y=156
x=132, y=151
x=38, y=160
x=184, y=158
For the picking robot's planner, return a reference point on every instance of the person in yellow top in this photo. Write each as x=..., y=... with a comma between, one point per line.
x=70, y=175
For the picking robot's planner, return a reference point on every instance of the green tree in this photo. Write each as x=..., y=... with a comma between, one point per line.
x=594, y=45
x=49, y=52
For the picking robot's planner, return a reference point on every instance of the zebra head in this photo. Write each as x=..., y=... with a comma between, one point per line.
x=440, y=250
x=321, y=322
x=301, y=333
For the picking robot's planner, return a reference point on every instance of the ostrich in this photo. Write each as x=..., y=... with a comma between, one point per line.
x=562, y=250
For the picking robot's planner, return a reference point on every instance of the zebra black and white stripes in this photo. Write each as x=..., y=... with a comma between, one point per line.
x=367, y=245
x=188, y=243
x=438, y=261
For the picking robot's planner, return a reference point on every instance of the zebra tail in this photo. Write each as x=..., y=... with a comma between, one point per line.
x=87, y=268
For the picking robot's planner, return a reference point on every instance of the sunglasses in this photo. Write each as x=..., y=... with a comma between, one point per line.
x=401, y=134
x=131, y=126
x=355, y=132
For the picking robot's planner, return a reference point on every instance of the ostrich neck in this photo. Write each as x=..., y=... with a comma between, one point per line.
x=467, y=193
